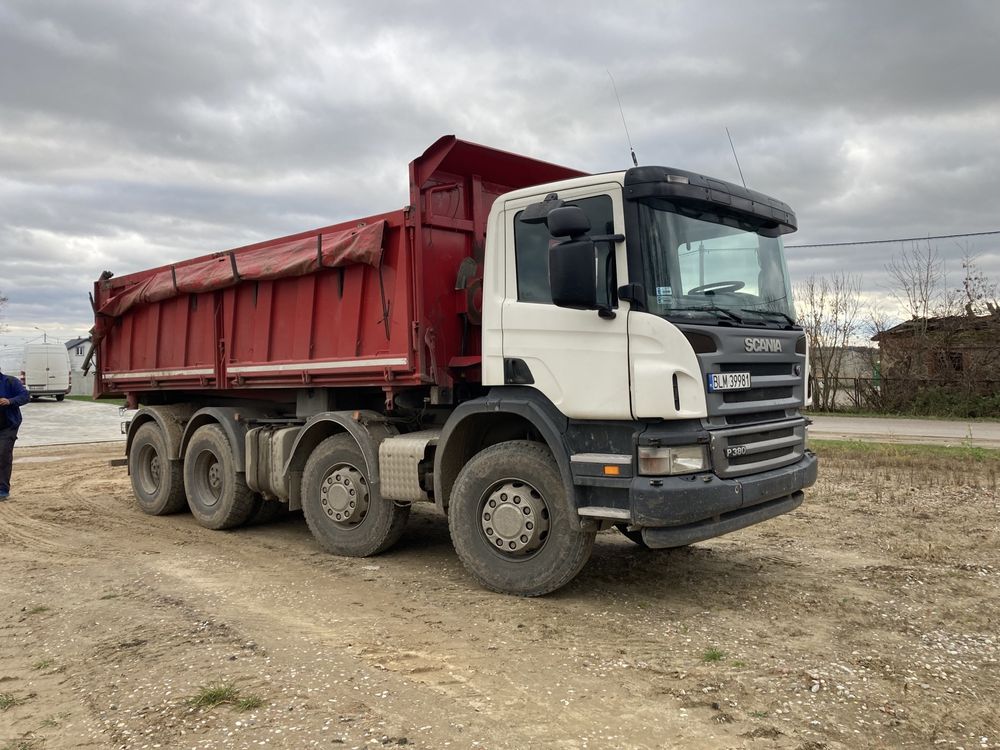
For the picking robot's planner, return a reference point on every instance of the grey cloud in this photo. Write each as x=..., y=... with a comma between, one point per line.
x=140, y=132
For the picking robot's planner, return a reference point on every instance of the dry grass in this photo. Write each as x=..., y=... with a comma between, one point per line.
x=219, y=693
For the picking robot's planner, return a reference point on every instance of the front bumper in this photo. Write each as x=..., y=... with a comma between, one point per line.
x=674, y=511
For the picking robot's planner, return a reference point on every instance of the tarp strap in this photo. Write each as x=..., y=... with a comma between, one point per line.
x=385, y=305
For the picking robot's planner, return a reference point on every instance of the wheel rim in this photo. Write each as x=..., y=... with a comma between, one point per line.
x=514, y=519
x=149, y=470
x=210, y=478
x=344, y=496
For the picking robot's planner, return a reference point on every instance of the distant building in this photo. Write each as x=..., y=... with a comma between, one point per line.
x=956, y=352
x=81, y=384
x=950, y=348
x=78, y=349
x=857, y=369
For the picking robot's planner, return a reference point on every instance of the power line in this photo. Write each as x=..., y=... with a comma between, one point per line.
x=899, y=239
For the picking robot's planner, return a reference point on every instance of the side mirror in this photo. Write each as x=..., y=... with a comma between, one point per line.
x=568, y=221
x=573, y=272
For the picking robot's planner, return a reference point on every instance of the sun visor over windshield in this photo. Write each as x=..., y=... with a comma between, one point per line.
x=769, y=216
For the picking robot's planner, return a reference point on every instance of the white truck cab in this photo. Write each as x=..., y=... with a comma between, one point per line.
x=651, y=310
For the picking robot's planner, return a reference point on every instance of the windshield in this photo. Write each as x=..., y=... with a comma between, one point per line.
x=695, y=269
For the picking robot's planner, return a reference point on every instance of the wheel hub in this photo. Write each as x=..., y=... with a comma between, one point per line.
x=514, y=518
x=344, y=495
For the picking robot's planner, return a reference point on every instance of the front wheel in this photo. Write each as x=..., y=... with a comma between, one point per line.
x=60, y=396
x=510, y=522
x=343, y=511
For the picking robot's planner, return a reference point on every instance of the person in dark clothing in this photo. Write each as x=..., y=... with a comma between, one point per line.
x=13, y=396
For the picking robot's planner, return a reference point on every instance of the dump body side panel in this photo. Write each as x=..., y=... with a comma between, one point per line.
x=275, y=316
x=334, y=326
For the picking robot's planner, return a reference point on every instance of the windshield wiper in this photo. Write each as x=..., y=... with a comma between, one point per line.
x=789, y=319
x=713, y=308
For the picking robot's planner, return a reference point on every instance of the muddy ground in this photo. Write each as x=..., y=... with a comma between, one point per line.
x=867, y=618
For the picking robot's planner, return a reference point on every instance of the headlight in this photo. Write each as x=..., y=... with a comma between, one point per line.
x=676, y=459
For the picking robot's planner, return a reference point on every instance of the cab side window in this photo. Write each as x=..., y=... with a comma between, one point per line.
x=531, y=252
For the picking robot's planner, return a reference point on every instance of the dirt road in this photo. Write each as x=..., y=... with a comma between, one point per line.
x=868, y=618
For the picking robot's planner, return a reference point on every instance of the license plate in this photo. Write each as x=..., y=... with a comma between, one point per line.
x=728, y=381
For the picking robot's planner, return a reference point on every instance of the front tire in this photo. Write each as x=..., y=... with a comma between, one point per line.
x=343, y=511
x=157, y=482
x=60, y=396
x=217, y=495
x=510, y=522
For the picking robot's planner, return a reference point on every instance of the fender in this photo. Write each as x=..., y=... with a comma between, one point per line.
x=232, y=419
x=368, y=428
x=170, y=419
x=530, y=406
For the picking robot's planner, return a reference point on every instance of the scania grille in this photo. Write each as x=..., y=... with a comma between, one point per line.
x=747, y=450
x=776, y=390
x=777, y=376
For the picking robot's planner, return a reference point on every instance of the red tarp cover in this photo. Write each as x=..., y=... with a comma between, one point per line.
x=292, y=258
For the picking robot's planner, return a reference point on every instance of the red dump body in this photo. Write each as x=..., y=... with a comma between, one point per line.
x=370, y=302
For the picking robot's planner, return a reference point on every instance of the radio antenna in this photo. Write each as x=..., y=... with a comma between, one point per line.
x=625, y=124
x=736, y=157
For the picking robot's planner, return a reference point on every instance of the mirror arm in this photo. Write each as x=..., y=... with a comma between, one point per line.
x=608, y=238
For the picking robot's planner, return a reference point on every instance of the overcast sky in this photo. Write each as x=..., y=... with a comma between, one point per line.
x=134, y=133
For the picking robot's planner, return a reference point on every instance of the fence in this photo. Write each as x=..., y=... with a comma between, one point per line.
x=919, y=395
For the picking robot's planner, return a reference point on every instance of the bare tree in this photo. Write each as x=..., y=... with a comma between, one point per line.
x=919, y=278
x=980, y=295
x=830, y=312
x=869, y=394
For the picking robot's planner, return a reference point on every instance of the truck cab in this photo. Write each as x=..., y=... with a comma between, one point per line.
x=652, y=310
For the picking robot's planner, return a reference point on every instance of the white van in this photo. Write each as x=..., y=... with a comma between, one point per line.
x=46, y=370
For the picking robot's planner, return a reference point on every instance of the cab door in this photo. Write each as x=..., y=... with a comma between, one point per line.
x=577, y=358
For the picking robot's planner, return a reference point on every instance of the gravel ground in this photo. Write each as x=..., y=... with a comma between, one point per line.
x=51, y=422
x=868, y=618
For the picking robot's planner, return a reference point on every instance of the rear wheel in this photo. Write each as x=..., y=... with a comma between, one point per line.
x=510, y=523
x=60, y=396
x=217, y=495
x=343, y=511
x=157, y=482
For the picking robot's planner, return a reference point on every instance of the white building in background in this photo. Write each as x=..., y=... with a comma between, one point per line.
x=78, y=348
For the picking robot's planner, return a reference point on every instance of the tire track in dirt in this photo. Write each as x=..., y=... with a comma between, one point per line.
x=507, y=669
x=831, y=627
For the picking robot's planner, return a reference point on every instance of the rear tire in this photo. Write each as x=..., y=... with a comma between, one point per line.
x=157, y=482
x=343, y=511
x=60, y=396
x=217, y=494
x=510, y=522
